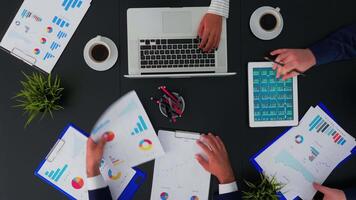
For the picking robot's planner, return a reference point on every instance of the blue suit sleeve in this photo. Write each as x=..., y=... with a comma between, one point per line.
x=350, y=193
x=340, y=45
x=100, y=194
x=229, y=196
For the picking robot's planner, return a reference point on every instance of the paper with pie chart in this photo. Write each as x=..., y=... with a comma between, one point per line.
x=65, y=165
x=307, y=153
x=41, y=30
x=131, y=138
x=65, y=168
x=177, y=175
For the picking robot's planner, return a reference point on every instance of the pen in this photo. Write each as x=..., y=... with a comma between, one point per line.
x=282, y=65
x=164, y=90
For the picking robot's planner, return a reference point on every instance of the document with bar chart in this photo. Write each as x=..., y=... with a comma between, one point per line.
x=65, y=168
x=131, y=138
x=41, y=30
x=305, y=154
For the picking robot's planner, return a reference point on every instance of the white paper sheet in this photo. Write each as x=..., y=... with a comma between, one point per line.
x=133, y=140
x=67, y=170
x=41, y=30
x=306, y=154
x=177, y=175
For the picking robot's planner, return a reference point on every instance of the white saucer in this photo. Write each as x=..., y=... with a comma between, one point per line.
x=258, y=31
x=110, y=62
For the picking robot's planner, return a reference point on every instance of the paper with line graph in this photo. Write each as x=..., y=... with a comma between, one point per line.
x=306, y=154
x=41, y=30
x=131, y=138
x=177, y=174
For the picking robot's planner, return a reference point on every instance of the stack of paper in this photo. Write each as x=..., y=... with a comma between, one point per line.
x=306, y=154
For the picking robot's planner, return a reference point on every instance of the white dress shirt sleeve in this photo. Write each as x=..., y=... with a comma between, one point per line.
x=227, y=188
x=219, y=7
x=97, y=182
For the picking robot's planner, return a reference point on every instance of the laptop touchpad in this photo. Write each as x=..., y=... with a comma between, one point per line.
x=177, y=22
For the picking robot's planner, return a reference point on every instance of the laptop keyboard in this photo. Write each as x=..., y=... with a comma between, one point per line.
x=174, y=53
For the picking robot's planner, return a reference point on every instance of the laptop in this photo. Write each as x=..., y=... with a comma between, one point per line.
x=162, y=42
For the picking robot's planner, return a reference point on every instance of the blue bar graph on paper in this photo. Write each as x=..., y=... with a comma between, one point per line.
x=61, y=173
x=142, y=122
x=61, y=35
x=55, y=19
x=60, y=22
x=141, y=126
x=48, y=56
x=67, y=4
x=316, y=122
x=26, y=14
x=54, y=46
x=56, y=175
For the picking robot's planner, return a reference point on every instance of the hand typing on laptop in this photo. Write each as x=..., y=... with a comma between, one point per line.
x=210, y=32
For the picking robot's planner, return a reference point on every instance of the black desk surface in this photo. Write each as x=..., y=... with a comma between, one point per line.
x=219, y=105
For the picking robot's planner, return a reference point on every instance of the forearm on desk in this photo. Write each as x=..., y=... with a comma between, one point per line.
x=340, y=45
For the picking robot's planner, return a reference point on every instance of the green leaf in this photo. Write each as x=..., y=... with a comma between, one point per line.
x=40, y=94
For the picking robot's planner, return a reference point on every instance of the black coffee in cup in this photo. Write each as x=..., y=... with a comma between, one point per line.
x=268, y=22
x=100, y=53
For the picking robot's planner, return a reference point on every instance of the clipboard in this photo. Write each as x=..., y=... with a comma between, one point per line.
x=128, y=193
x=173, y=172
x=41, y=30
x=260, y=170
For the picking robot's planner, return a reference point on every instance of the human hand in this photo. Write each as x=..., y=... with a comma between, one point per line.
x=330, y=193
x=94, y=156
x=293, y=59
x=210, y=32
x=218, y=162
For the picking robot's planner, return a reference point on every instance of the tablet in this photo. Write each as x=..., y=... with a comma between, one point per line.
x=272, y=102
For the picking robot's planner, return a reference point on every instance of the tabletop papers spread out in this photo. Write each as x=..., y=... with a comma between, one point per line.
x=307, y=153
x=41, y=30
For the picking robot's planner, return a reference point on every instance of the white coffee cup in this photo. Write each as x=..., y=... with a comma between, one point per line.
x=100, y=53
x=261, y=32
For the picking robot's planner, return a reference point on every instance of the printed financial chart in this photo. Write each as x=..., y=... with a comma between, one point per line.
x=273, y=98
x=67, y=169
x=130, y=135
x=42, y=29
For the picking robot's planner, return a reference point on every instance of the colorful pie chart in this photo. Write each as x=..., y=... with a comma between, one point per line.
x=113, y=176
x=109, y=136
x=299, y=139
x=194, y=198
x=36, y=51
x=164, y=196
x=43, y=40
x=145, y=145
x=49, y=29
x=77, y=183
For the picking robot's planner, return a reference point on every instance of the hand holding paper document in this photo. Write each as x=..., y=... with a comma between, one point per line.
x=131, y=138
x=306, y=154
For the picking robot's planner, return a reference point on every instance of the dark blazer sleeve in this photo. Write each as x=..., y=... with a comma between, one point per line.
x=340, y=45
x=350, y=193
x=100, y=194
x=229, y=196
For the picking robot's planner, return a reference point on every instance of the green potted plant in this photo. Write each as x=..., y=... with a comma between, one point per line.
x=266, y=189
x=40, y=94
